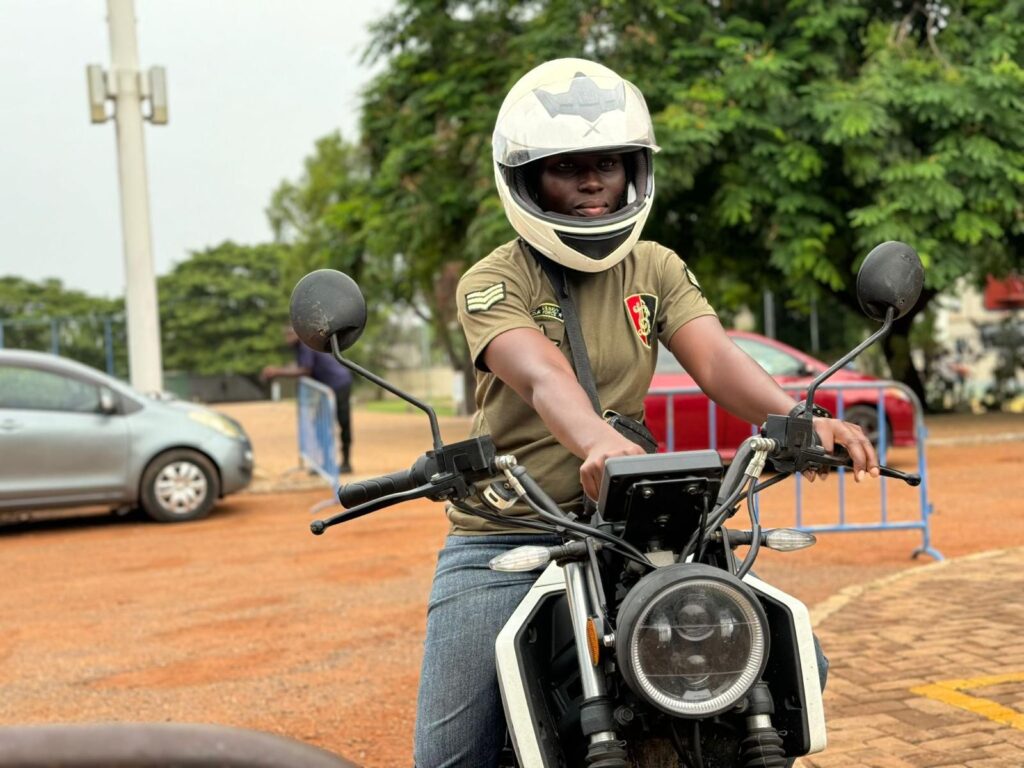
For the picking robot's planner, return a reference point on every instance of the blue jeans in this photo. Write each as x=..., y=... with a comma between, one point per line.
x=460, y=722
x=459, y=717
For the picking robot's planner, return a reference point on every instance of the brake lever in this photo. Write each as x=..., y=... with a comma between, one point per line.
x=799, y=449
x=841, y=458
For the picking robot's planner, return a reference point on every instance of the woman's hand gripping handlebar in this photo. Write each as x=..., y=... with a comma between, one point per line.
x=798, y=449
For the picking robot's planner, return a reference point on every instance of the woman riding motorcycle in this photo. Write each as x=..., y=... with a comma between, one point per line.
x=573, y=150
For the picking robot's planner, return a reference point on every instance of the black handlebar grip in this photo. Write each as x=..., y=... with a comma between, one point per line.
x=353, y=494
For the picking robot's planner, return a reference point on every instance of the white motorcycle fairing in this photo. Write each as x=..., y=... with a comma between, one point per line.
x=533, y=727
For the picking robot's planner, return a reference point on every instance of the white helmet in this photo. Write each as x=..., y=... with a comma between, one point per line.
x=574, y=105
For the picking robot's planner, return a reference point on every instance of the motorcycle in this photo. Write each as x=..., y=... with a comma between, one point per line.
x=646, y=640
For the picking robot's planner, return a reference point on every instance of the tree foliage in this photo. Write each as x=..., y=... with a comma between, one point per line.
x=30, y=313
x=224, y=309
x=795, y=135
x=799, y=135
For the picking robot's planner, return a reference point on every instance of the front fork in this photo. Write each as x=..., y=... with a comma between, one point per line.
x=596, y=720
x=762, y=745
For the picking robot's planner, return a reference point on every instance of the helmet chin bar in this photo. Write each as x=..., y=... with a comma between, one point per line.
x=598, y=246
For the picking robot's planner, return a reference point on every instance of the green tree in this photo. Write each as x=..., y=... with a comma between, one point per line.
x=426, y=125
x=29, y=312
x=322, y=219
x=224, y=310
x=796, y=135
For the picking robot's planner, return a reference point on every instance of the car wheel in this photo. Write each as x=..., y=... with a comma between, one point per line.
x=866, y=417
x=179, y=485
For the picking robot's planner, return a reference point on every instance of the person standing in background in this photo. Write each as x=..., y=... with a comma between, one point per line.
x=322, y=367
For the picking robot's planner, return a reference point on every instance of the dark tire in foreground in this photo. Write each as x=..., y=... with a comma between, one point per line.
x=179, y=485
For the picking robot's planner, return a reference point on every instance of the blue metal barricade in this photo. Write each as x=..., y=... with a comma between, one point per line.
x=318, y=440
x=922, y=521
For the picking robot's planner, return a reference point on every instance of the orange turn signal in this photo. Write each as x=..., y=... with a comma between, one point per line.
x=593, y=642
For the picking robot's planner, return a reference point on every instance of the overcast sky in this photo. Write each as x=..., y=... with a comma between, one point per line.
x=251, y=85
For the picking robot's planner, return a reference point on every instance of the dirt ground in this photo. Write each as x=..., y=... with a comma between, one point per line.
x=247, y=619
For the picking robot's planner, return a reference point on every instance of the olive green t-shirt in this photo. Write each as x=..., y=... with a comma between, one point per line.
x=624, y=313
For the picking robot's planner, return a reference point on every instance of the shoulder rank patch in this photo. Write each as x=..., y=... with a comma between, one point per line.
x=692, y=278
x=642, y=308
x=485, y=298
x=548, y=311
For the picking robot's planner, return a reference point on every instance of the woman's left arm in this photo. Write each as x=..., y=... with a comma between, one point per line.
x=732, y=378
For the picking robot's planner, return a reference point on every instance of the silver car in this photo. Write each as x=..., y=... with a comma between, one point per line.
x=73, y=436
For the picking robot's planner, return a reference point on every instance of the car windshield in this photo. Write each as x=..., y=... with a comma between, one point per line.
x=774, y=361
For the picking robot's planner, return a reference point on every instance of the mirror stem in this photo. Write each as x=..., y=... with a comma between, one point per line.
x=435, y=430
x=890, y=318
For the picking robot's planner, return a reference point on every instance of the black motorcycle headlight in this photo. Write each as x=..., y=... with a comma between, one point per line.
x=691, y=639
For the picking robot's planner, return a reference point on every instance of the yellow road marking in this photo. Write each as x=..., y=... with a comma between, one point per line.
x=951, y=692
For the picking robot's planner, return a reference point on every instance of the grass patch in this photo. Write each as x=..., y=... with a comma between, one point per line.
x=395, y=405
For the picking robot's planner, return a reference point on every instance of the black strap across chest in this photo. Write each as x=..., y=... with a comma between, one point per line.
x=574, y=334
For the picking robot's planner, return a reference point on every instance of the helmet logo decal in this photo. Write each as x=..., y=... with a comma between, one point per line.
x=585, y=98
x=642, y=308
x=485, y=298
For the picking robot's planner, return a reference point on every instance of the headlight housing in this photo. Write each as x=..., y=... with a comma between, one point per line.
x=216, y=421
x=691, y=639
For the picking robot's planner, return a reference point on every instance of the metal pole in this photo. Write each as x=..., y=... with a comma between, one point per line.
x=108, y=345
x=815, y=340
x=143, y=317
x=769, y=313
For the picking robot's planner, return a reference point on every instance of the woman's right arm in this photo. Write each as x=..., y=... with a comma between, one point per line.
x=539, y=373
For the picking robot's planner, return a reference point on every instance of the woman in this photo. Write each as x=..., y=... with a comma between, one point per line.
x=573, y=148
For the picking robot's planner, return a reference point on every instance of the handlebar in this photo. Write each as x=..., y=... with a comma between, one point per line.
x=798, y=448
x=448, y=472
x=364, y=491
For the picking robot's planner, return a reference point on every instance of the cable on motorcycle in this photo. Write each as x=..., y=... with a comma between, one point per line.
x=755, y=533
x=702, y=530
x=693, y=756
x=470, y=509
x=768, y=483
x=621, y=546
x=613, y=542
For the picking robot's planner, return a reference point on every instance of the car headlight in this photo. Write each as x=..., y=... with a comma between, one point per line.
x=897, y=393
x=215, y=421
x=691, y=639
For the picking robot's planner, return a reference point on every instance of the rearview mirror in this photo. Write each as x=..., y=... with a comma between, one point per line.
x=890, y=277
x=108, y=403
x=327, y=303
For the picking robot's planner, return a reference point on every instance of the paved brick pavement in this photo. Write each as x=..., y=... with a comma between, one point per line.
x=927, y=667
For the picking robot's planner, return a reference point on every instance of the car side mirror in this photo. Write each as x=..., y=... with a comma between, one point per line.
x=108, y=403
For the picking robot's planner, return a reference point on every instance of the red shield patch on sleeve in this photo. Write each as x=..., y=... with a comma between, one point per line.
x=642, y=309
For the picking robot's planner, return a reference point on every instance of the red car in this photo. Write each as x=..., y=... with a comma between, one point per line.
x=693, y=412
